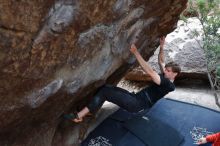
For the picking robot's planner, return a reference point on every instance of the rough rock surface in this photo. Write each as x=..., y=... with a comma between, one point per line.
x=53, y=54
x=183, y=47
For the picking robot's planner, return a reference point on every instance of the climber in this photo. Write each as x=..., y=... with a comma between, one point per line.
x=135, y=102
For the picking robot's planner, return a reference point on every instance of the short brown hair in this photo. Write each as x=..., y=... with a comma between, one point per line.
x=174, y=66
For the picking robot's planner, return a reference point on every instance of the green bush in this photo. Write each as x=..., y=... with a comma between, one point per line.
x=218, y=72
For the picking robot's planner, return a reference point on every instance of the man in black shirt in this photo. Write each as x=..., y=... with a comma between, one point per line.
x=134, y=102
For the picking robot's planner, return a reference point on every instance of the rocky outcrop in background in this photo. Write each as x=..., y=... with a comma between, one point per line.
x=55, y=53
x=185, y=48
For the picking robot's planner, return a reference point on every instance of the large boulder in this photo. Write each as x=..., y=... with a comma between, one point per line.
x=55, y=53
x=184, y=47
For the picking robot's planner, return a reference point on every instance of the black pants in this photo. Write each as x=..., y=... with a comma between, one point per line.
x=129, y=101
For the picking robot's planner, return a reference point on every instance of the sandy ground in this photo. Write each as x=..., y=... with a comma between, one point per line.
x=198, y=96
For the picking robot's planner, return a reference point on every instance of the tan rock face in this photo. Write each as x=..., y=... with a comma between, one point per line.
x=55, y=53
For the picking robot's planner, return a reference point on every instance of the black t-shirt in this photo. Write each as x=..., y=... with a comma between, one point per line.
x=156, y=92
